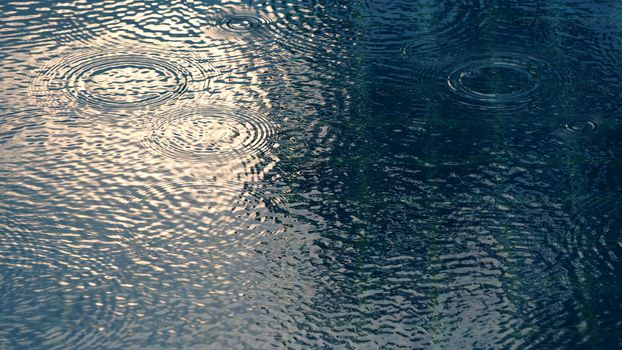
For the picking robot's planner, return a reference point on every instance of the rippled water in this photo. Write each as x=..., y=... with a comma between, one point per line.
x=310, y=174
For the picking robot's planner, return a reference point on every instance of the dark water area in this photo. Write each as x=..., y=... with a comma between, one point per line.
x=310, y=174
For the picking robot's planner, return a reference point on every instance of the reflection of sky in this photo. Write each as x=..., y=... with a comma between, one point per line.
x=184, y=229
x=127, y=84
x=102, y=146
x=93, y=156
x=183, y=25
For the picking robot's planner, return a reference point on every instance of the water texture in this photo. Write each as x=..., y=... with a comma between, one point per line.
x=310, y=174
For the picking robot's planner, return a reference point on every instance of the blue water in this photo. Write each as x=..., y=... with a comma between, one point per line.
x=310, y=174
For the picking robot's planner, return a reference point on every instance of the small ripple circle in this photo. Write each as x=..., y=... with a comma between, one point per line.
x=581, y=127
x=244, y=23
x=279, y=24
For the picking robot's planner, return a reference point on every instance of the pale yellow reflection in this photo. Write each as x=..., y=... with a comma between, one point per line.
x=101, y=149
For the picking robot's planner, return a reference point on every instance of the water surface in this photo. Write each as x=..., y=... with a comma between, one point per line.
x=310, y=174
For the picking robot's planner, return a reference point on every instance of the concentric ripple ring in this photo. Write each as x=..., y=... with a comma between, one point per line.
x=243, y=23
x=119, y=81
x=581, y=127
x=210, y=134
x=495, y=81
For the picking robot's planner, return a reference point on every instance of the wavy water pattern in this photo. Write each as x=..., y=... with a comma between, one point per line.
x=57, y=277
x=310, y=174
x=421, y=30
x=299, y=27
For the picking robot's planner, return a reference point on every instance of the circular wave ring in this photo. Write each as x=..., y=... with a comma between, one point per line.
x=119, y=81
x=581, y=127
x=495, y=81
x=280, y=25
x=210, y=133
x=244, y=23
x=109, y=80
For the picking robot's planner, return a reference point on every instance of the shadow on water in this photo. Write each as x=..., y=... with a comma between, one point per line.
x=310, y=174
